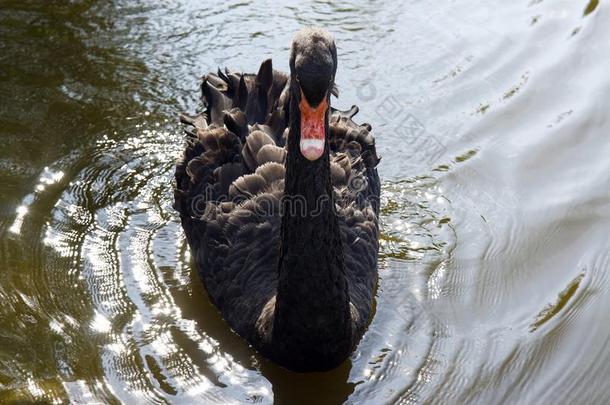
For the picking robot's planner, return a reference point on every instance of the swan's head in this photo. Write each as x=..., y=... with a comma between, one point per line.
x=313, y=64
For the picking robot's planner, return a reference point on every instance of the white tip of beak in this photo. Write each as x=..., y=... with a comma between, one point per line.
x=312, y=149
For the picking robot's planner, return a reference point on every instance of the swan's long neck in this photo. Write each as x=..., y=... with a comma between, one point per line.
x=312, y=320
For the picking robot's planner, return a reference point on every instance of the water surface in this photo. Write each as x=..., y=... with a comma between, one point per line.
x=492, y=120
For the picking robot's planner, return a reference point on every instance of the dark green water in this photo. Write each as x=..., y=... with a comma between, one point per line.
x=492, y=120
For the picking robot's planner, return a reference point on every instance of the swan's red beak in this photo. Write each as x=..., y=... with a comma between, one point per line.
x=312, y=128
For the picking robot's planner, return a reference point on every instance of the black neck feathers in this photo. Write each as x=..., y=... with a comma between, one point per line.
x=312, y=323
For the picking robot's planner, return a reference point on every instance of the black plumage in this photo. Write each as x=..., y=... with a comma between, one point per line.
x=286, y=247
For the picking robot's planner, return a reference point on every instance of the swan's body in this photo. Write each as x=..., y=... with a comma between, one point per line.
x=278, y=196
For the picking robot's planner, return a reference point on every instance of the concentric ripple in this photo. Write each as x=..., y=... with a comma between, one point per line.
x=124, y=295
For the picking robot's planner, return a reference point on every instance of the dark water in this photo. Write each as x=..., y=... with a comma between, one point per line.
x=492, y=120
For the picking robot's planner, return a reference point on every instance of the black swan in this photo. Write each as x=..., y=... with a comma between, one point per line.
x=278, y=195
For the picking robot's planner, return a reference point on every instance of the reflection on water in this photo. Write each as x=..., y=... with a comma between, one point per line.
x=492, y=123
